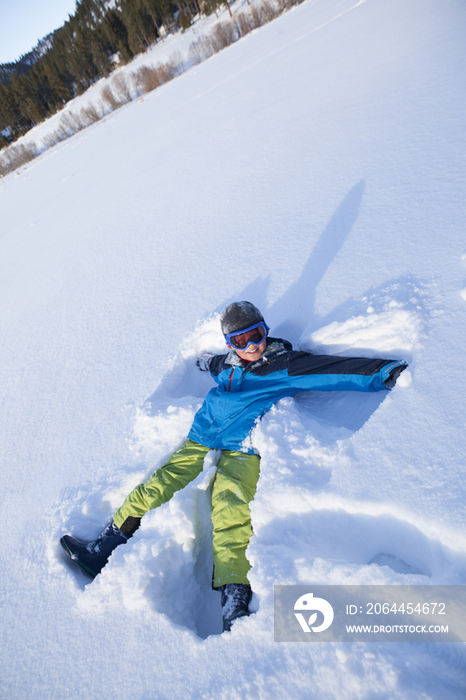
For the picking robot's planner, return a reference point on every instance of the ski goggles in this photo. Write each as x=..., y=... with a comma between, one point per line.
x=254, y=335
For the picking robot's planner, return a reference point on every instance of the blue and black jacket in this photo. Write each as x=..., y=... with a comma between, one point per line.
x=246, y=391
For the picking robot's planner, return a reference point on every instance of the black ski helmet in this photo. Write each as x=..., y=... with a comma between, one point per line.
x=238, y=316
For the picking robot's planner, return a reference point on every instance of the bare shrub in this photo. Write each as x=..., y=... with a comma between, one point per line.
x=243, y=23
x=222, y=35
x=14, y=157
x=288, y=4
x=148, y=78
x=90, y=114
x=269, y=11
x=282, y=5
x=257, y=19
x=178, y=62
x=260, y=15
x=116, y=93
x=121, y=88
x=58, y=135
x=70, y=123
x=200, y=50
x=50, y=140
x=168, y=71
x=145, y=79
x=195, y=52
x=23, y=154
x=110, y=101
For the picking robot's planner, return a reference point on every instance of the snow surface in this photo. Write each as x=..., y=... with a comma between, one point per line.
x=316, y=168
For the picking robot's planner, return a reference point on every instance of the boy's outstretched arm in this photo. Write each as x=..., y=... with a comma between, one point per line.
x=329, y=373
x=203, y=361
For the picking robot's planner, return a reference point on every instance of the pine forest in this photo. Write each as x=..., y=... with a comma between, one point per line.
x=99, y=36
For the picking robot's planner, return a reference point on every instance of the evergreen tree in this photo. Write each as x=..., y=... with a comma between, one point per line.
x=139, y=25
x=9, y=111
x=57, y=70
x=115, y=32
x=26, y=97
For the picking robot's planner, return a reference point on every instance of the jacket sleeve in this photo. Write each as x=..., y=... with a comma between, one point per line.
x=217, y=365
x=332, y=373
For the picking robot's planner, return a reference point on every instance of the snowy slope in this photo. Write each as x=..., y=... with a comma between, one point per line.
x=317, y=168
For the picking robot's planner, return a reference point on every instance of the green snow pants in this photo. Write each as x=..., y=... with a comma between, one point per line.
x=233, y=489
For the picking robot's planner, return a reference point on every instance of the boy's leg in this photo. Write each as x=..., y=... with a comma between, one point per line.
x=181, y=468
x=234, y=487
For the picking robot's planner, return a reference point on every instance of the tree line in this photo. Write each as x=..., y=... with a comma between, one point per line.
x=86, y=48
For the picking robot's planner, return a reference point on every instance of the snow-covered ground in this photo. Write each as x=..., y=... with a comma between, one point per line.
x=317, y=168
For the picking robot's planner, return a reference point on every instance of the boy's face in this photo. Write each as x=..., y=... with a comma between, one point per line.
x=252, y=353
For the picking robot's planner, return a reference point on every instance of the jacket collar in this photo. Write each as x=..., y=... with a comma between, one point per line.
x=274, y=345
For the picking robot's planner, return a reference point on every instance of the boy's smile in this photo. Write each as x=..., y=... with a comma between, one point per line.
x=253, y=352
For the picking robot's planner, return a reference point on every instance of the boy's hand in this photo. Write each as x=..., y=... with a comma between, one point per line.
x=203, y=361
x=393, y=376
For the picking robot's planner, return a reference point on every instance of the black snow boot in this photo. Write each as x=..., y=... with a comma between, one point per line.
x=92, y=556
x=235, y=602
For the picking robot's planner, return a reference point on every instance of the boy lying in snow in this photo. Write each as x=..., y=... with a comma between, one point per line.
x=256, y=372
